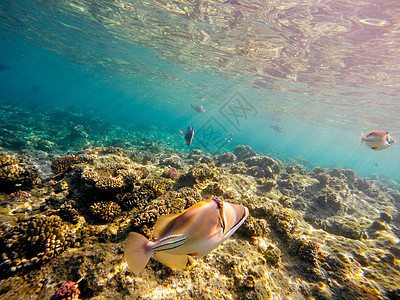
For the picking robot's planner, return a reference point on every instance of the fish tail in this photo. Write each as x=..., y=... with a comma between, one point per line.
x=137, y=252
x=362, y=138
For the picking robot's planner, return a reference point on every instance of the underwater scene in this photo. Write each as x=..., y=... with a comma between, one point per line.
x=192, y=149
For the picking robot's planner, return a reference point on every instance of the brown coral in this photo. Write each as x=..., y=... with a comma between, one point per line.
x=31, y=242
x=65, y=163
x=141, y=195
x=7, y=159
x=110, y=183
x=105, y=211
x=16, y=174
x=198, y=173
x=267, y=167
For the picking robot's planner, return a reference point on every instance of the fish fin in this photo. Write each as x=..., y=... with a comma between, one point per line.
x=169, y=242
x=136, y=253
x=162, y=223
x=374, y=148
x=362, y=138
x=175, y=262
x=181, y=131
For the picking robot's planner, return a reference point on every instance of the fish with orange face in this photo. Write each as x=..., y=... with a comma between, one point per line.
x=195, y=232
x=377, y=139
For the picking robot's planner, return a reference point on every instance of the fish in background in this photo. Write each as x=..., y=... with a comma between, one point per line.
x=203, y=98
x=189, y=133
x=195, y=232
x=377, y=139
x=3, y=67
x=198, y=108
x=276, y=128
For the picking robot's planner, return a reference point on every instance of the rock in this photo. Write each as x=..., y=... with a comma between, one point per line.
x=226, y=158
x=173, y=161
x=272, y=255
x=345, y=227
x=243, y=152
x=295, y=169
x=386, y=217
x=198, y=173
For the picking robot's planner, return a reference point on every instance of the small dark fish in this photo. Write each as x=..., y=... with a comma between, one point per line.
x=189, y=133
x=276, y=128
x=3, y=67
x=198, y=108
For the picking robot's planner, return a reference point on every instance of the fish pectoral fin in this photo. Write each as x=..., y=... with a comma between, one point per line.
x=181, y=131
x=374, y=148
x=162, y=223
x=175, y=262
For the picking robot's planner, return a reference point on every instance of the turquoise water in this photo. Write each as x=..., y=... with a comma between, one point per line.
x=320, y=72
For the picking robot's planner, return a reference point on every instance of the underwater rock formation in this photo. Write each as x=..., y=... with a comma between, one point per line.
x=173, y=161
x=263, y=166
x=225, y=158
x=242, y=152
x=199, y=173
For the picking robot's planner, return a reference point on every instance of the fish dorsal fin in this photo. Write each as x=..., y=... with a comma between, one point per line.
x=162, y=223
x=173, y=261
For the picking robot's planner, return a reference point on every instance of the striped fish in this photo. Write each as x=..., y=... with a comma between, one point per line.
x=195, y=232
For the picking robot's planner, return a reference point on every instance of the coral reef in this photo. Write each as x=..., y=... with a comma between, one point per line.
x=68, y=291
x=225, y=158
x=171, y=173
x=309, y=235
x=173, y=161
x=65, y=163
x=105, y=211
x=243, y=152
x=141, y=195
x=199, y=173
x=16, y=174
x=33, y=242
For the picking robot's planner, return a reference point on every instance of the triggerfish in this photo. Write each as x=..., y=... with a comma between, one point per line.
x=195, y=232
x=377, y=139
x=189, y=133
